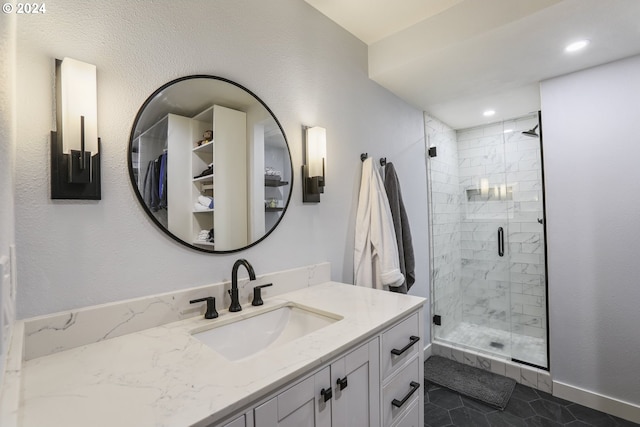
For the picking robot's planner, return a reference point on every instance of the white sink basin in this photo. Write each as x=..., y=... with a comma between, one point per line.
x=250, y=335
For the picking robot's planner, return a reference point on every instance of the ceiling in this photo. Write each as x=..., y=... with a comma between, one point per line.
x=456, y=59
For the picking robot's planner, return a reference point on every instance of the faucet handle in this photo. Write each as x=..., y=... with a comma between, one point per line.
x=257, y=294
x=211, y=312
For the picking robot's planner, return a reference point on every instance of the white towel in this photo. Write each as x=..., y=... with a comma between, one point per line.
x=375, y=258
x=206, y=201
x=203, y=236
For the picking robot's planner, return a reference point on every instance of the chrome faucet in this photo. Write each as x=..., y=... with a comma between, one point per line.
x=235, y=302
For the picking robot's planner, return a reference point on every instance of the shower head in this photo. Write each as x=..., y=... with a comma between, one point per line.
x=531, y=132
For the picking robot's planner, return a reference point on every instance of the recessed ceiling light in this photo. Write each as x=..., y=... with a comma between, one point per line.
x=488, y=113
x=575, y=46
x=508, y=130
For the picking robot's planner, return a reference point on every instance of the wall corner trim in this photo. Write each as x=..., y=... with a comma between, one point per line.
x=427, y=351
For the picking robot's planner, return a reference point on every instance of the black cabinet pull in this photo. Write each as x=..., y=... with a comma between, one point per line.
x=327, y=393
x=500, y=241
x=412, y=340
x=398, y=403
x=342, y=383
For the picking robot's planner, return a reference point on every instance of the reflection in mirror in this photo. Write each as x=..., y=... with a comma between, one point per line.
x=210, y=164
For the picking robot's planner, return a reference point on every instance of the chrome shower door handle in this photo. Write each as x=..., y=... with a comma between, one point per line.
x=500, y=241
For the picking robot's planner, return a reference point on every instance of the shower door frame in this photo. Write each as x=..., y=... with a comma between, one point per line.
x=546, y=255
x=545, y=260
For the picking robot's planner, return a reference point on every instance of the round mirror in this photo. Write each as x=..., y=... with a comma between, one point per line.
x=210, y=164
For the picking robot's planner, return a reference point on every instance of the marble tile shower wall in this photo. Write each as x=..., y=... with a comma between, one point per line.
x=501, y=186
x=444, y=208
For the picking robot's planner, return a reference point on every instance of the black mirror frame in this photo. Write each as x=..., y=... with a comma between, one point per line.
x=137, y=191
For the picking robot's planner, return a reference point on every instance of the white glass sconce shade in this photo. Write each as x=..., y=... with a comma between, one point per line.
x=79, y=99
x=313, y=172
x=316, y=151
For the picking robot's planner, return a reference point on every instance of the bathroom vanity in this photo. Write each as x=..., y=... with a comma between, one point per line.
x=343, y=355
x=349, y=390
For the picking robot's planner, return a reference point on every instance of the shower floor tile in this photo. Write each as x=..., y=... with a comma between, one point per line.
x=499, y=342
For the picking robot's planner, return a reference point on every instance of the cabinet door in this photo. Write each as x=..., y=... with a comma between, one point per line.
x=356, y=381
x=305, y=404
x=238, y=422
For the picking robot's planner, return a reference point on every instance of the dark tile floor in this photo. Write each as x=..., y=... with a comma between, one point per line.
x=527, y=407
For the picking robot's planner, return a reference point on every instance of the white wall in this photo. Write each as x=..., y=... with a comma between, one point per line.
x=7, y=154
x=591, y=157
x=306, y=68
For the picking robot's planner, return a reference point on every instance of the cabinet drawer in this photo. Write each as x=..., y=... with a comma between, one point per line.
x=400, y=344
x=403, y=390
x=411, y=418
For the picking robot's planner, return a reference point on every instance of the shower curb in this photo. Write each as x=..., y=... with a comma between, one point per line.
x=522, y=374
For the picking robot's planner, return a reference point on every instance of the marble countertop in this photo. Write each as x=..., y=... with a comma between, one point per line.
x=162, y=376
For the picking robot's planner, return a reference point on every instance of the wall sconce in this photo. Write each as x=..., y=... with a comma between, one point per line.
x=313, y=171
x=75, y=172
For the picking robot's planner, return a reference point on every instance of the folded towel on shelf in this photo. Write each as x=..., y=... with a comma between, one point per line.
x=206, y=201
x=197, y=207
x=271, y=172
x=205, y=236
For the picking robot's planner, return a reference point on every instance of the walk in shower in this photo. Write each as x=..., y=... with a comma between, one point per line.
x=488, y=261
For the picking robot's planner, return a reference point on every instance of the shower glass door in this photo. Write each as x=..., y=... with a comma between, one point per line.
x=487, y=234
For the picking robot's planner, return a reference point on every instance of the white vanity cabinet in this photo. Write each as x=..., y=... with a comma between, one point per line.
x=345, y=393
x=377, y=384
x=369, y=356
